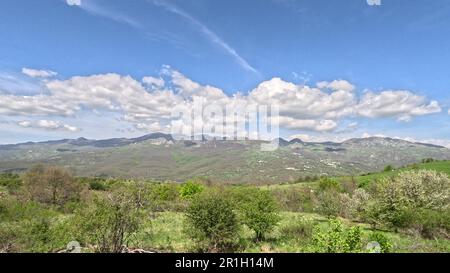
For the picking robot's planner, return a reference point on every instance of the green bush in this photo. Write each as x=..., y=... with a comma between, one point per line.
x=293, y=199
x=328, y=202
x=110, y=224
x=12, y=182
x=260, y=213
x=165, y=197
x=326, y=184
x=399, y=200
x=189, y=189
x=212, y=223
x=382, y=240
x=336, y=239
x=97, y=186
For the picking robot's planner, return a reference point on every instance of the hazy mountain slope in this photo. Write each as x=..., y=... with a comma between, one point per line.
x=160, y=157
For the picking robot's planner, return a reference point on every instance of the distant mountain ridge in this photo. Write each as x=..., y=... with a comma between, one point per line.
x=161, y=157
x=117, y=142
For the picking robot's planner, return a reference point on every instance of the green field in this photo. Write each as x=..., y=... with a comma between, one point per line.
x=32, y=221
x=440, y=166
x=168, y=236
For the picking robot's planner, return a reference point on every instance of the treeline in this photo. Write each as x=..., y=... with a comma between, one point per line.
x=46, y=208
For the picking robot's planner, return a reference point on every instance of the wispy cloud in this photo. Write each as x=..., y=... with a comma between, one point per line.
x=213, y=37
x=95, y=9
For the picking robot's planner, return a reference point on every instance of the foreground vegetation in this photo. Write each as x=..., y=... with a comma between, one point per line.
x=404, y=210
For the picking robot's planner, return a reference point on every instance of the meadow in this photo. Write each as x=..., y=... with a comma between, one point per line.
x=46, y=208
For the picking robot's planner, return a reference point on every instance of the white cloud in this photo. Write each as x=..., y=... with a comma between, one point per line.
x=48, y=125
x=213, y=37
x=152, y=81
x=34, y=73
x=402, y=105
x=73, y=2
x=24, y=123
x=148, y=104
x=336, y=85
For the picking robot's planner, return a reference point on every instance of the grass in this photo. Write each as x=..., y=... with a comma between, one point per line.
x=164, y=233
x=440, y=166
x=364, y=180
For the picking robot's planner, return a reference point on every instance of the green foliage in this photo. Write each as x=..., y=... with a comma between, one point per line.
x=382, y=240
x=326, y=184
x=260, y=213
x=388, y=168
x=294, y=199
x=328, y=203
x=337, y=239
x=110, y=224
x=30, y=227
x=354, y=206
x=212, y=223
x=165, y=197
x=97, y=186
x=427, y=160
x=418, y=200
x=189, y=189
x=12, y=182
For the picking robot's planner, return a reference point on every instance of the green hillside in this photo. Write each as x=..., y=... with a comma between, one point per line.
x=440, y=166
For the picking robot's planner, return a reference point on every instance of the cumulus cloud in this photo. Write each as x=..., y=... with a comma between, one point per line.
x=34, y=73
x=336, y=85
x=48, y=125
x=148, y=104
x=152, y=81
x=403, y=105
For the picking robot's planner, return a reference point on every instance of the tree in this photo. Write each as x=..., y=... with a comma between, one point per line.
x=400, y=200
x=212, y=222
x=51, y=185
x=260, y=213
x=110, y=224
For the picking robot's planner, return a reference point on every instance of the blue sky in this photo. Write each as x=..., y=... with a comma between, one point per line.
x=398, y=51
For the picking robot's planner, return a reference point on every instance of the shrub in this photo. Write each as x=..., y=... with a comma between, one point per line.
x=12, y=182
x=190, y=189
x=354, y=206
x=326, y=184
x=388, y=168
x=402, y=201
x=110, y=224
x=382, y=240
x=294, y=199
x=212, y=223
x=52, y=185
x=165, y=196
x=329, y=202
x=336, y=239
x=97, y=186
x=260, y=213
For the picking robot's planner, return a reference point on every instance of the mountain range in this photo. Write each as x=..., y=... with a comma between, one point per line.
x=160, y=157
